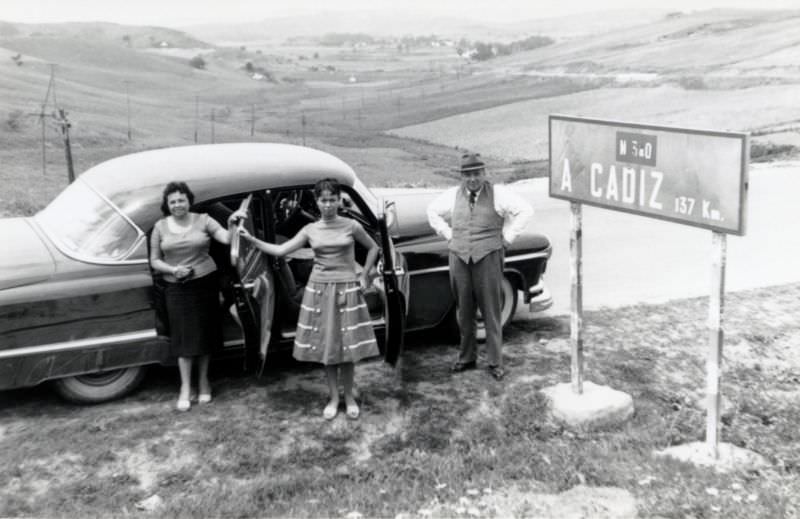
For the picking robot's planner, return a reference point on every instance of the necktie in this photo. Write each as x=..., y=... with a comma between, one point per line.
x=472, y=196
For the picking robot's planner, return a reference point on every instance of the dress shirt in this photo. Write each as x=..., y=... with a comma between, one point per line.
x=515, y=211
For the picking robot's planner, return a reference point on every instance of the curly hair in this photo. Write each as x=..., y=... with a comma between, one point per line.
x=327, y=184
x=175, y=187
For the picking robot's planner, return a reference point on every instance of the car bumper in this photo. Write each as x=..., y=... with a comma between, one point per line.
x=539, y=298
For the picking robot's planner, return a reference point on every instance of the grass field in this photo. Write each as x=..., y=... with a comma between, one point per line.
x=433, y=444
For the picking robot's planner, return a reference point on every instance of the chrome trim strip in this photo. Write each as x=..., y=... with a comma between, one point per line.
x=56, y=347
x=530, y=255
x=509, y=259
x=428, y=270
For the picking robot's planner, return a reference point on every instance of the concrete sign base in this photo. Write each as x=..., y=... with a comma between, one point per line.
x=730, y=457
x=597, y=406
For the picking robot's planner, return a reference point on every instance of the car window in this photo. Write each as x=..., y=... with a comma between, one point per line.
x=85, y=225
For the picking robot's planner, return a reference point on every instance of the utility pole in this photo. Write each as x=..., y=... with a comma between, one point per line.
x=253, y=119
x=303, y=124
x=128, y=103
x=196, y=115
x=41, y=115
x=61, y=118
x=212, y=126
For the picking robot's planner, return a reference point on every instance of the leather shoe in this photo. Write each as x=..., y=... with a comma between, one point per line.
x=497, y=372
x=458, y=367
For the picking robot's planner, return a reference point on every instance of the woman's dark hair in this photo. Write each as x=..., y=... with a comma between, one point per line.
x=175, y=187
x=327, y=184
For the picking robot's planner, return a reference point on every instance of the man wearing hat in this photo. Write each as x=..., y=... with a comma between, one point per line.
x=479, y=221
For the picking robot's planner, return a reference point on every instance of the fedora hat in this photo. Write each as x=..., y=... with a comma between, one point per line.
x=471, y=162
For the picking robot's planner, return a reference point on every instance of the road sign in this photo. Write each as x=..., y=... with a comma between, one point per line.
x=687, y=176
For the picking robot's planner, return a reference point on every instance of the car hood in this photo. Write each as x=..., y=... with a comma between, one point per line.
x=24, y=258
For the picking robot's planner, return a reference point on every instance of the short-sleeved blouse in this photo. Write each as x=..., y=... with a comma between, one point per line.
x=190, y=247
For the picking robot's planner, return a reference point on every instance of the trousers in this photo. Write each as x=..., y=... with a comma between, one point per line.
x=478, y=285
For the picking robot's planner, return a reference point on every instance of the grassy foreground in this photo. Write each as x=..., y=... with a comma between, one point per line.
x=432, y=444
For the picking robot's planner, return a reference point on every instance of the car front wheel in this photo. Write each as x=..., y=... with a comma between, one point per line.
x=94, y=388
x=509, y=297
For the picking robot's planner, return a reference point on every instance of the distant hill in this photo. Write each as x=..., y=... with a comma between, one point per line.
x=138, y=37
x=380, y=23
x=732, y=41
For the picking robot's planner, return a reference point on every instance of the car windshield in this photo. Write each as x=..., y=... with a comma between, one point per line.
x=85, y=225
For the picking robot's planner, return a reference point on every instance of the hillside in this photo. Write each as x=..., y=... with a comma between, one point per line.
x=731, y=41
x=717, y=69
x=382, y=24
x=396, y=116
x=128, y=35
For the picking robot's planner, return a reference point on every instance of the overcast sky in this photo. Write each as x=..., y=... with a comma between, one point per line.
x=186, y=12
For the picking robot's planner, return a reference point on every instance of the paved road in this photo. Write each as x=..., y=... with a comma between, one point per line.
x=629, y=259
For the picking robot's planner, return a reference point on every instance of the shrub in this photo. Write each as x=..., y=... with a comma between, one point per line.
x=692, y=83
x=15, y=120
x=198, y=62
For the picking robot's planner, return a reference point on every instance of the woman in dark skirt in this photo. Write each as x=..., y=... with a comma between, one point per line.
x=334, y=327
x=179, y=248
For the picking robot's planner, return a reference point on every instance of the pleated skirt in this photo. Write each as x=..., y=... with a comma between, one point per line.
x=194, y=316
x=334, y=325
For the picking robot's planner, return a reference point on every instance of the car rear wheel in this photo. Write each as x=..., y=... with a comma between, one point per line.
x=94, y=388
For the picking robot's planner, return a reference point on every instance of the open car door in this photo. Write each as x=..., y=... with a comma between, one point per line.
x=254, y=292
x=396, y=284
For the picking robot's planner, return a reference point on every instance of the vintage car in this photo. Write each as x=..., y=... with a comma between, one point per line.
x=80, y=306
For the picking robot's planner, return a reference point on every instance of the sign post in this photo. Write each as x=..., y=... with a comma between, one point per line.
x=688, y=176
x=715, y=313
x=576, y=301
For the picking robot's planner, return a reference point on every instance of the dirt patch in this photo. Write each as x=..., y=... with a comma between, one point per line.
x=580, y=502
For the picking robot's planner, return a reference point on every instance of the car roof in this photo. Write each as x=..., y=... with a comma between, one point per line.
x=134, y=182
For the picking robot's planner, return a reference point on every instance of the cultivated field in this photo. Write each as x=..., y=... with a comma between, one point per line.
x=518, y=131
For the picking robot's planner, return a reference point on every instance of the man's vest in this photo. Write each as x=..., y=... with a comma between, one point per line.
x=477, y=231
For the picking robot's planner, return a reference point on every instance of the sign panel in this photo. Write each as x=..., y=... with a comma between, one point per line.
x=686, y=176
